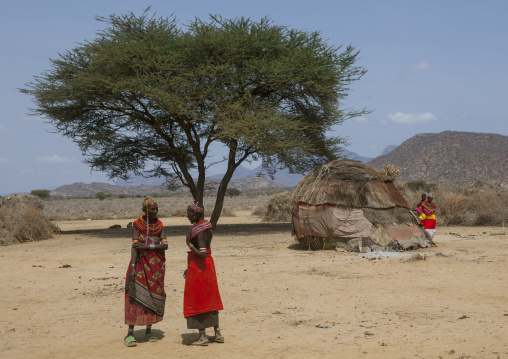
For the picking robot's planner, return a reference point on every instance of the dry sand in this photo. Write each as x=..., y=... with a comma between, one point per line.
x=280, y=301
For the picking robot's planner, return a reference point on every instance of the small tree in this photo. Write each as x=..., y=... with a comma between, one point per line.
x=148, y=96
x=233, y=192
x=101, y=195
x=41, y=193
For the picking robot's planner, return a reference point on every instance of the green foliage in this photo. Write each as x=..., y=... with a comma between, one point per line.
x=233, y=192
x=41, y=193
x=122, y=196
x=149, y=95
x=101, y=195
x=421, y=185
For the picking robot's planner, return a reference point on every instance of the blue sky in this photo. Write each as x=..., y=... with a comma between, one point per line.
x=432, y=66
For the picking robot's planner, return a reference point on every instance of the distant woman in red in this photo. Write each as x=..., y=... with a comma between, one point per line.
x=145, y=297
x=202, y=301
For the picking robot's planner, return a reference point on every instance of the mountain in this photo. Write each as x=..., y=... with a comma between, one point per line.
x=450, y=157
x=387, y=150
x=243, y=179
x=282, y=176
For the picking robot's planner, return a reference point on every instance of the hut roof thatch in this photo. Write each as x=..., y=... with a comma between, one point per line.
x=349, y=183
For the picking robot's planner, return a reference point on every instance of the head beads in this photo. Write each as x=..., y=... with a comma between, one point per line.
x=197, y=207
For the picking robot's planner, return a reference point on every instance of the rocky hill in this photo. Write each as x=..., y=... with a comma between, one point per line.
x=450, y=157
x=82, y=189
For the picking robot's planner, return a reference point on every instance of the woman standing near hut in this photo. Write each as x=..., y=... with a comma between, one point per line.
x=202, y=301
x=427, y=212
x=144, y=290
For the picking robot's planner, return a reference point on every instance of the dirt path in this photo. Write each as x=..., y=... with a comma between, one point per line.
x=63, y=298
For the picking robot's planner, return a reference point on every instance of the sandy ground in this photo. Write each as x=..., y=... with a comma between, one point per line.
x=280, y=300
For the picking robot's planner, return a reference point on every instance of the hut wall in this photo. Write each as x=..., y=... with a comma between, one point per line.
x=329, y=221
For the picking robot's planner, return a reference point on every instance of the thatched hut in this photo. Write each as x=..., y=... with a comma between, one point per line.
x=353, y=205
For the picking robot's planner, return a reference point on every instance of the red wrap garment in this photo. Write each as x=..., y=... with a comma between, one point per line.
x=145, y=296
x=201, y=293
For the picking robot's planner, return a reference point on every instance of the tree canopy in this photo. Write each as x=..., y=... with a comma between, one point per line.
x=149, y=95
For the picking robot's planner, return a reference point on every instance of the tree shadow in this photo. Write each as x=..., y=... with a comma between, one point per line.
x=175, y=231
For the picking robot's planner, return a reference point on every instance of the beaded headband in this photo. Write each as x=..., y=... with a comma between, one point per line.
x=147, y=201
x=196, y=208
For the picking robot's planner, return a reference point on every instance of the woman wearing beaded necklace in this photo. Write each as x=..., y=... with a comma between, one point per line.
x=202, y=300
x=144, y=290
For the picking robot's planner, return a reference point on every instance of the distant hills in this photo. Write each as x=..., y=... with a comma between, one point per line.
x=446, y=157
x=450, y=157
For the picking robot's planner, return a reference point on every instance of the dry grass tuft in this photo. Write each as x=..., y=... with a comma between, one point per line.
x=22, y=221
x=417, y=257
x=228, y=212
x=179, y=212
x=279, y=208
x=392, y=170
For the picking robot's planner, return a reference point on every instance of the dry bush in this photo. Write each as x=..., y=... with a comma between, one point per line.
x=475, y=204
x=260, y=210
x=180, y=212
x=279, y=208
x=23, y=222
x=392, y=170
x=228, y=212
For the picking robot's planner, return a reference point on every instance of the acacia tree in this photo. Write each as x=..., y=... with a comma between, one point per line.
x=149, y=95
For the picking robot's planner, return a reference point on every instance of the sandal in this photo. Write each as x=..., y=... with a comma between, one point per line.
x=202, y=343
x=151, y=337
x=218, y=339
x=130, y=341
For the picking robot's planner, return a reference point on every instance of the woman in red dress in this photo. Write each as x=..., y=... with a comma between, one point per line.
x=202, y=301
x=144, y=290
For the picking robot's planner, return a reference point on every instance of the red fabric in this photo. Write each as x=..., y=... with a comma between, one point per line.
x=201, y=293
x=135, y=315
x=145, y=298
x=429, y=224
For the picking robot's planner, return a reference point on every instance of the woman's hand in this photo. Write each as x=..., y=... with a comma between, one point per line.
x=132, y=274
x=188, y=238
x=185, y=273
x=139, y=245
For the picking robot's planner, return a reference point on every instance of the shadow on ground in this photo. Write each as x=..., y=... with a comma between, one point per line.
x=172, y=231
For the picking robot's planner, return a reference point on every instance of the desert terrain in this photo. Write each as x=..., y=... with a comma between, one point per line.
x=63, y=297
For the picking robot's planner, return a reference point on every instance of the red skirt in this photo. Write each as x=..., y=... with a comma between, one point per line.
x=201, y=293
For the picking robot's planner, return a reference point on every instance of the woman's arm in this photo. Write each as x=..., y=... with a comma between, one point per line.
x=164, y=245
x=200, y=239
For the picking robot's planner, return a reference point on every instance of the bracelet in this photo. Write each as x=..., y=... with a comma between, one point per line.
x=133, y=265
x=151, y=246
x=191, y=245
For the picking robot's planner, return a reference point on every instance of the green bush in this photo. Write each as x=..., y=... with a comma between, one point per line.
x=233, y=192
x=101, y=195
x=41, y=193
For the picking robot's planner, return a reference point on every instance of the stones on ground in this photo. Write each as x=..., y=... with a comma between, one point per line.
x=463, y=317
x=65, y=266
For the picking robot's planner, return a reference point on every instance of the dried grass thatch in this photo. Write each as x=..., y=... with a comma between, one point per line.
x=279, y=208
x=349, y=183
x=22, y=220
x=350, y=204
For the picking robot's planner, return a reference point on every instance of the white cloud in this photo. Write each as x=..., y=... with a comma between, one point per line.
x=54, y=159
x=422, y=66
x=409, y=118
x=4, y=161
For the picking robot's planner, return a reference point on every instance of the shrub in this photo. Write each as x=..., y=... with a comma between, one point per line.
x=25, y=223
x=41, y=193
x=279, y=208
x=233, y=192
x=180, y=212
x=421, y=185
x=101, y=195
